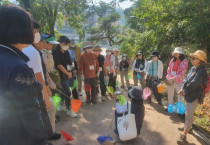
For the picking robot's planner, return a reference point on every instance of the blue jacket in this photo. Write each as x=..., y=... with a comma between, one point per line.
x=22, y=109
x=192, y=83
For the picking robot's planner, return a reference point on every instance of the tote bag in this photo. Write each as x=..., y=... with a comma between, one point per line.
x=126, y=125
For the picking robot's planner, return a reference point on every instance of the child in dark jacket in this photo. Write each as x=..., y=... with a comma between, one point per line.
x=137, y=108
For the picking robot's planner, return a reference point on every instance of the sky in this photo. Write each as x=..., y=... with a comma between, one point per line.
x=123, y=5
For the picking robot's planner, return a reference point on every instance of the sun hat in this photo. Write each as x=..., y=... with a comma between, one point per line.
x=136, y=93
x=178, y=50
x=146, y=93
x=154, y=53
x=87, y=44
x=52, y=40
x=97, y=48
x=109, y=48
x=199, y=54
x=124, y=55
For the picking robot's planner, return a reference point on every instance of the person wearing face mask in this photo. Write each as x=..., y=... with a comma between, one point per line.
x=64, y=65
x=175, y=73
x=110, y=68
x=139, y=68
x=97, y=50
x=23, y=115
x=77, y=53
x=89, y=68
x=154, y=72
x=124, y=65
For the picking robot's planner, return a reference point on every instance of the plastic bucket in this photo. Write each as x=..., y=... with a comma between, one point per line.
x=56, y=100
x=75, y=105
x=160, y=88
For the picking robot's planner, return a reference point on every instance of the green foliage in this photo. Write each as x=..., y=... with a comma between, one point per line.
x=163, y=25
x=48, y=12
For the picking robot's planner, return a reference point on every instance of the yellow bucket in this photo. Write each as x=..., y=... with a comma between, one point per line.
x=160, y=88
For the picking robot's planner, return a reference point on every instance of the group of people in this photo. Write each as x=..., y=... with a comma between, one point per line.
x=34, y=67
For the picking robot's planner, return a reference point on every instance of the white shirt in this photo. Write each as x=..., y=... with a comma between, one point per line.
x=35, y=59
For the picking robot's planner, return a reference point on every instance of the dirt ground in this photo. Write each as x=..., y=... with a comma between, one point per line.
x=159, y=127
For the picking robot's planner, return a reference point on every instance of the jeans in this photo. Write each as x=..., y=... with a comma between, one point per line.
x=102, y=84
x=66, y=90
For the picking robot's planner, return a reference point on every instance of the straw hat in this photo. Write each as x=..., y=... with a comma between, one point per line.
x=178, y=50
x=199, y=54
x=97, y=48
x=87, y=44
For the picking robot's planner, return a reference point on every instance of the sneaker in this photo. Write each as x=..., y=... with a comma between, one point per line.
x=94, y=101
x=62, y=108
x=55, y=136
x=72, y=114
x=103, y=98
x=88, y=100
x=182, y=139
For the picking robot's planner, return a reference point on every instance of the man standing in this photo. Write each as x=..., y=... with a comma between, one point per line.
x=97, y=50
x=88, y=66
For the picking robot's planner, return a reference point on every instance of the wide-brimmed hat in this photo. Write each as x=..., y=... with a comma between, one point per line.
x=154, y=53
x=52, y=40
x=136, y=93
x=97, y=48
x=199, y=54
x=87, y=44
x=45, y=36
x=178, y=50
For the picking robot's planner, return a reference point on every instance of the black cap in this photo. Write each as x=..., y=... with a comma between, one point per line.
x=136, y=93
x=139, y=52
x=154, y=53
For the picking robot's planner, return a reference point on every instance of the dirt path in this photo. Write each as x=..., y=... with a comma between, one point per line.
x=159, y=127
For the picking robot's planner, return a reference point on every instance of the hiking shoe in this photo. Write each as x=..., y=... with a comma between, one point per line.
x=72, y=114
x=55, y=136
x=103, y=98
x=94, y=101
x=182, y=139
x=88, y=100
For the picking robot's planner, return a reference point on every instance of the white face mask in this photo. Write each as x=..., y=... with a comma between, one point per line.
x=37, y=37
x=108, y=53
x=65, y=47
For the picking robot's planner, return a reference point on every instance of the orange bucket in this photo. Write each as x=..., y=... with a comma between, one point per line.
x=160, y=88
x=75, y=105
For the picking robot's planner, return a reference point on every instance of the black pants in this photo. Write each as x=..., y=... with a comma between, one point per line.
x=65, y=89
x=102, y=83
x=112, y=81
x=152, y=84
x=92, y=83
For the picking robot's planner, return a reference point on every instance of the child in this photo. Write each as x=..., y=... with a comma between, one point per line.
x=137, y=107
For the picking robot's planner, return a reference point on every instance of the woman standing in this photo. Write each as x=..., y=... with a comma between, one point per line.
x=192, y=90
x=175, y=73
x=23, y=115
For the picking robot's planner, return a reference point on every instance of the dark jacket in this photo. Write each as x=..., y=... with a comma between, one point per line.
x=22, y=112
x=124, y=65
x=192, y=83
x=137, y=108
